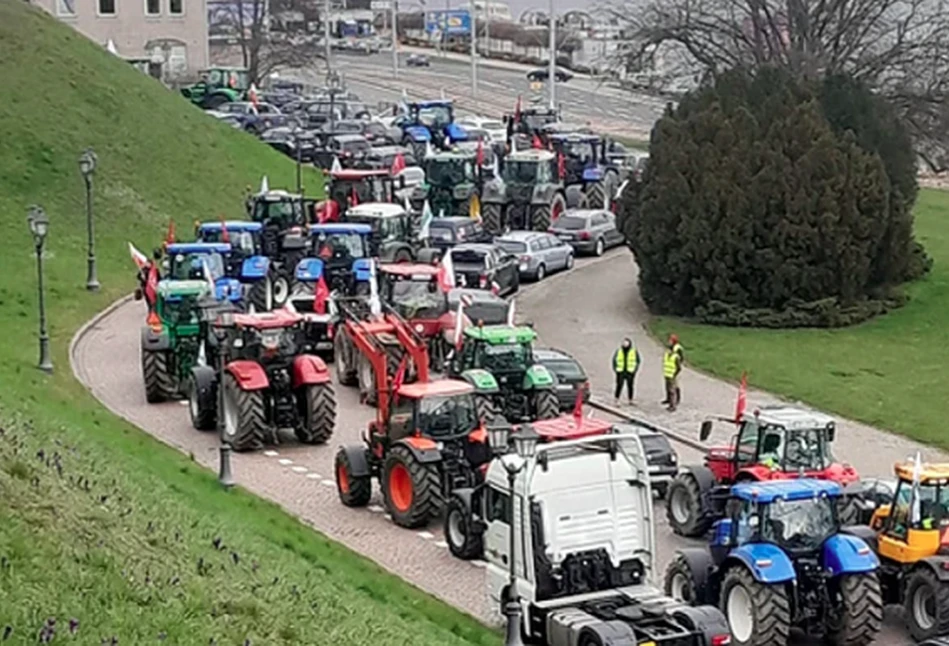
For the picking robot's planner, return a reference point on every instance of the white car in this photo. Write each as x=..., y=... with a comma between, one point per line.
x=495, y=128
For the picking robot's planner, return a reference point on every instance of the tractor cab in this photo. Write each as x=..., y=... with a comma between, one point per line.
x=776, y=443
x=392, y=229
x=344, y=250
x=530, y=195
x=441, y=410
x=283, y=237
x=349, y=187
x=530, y=121
x=218, y=85
x=178, y=308
x=413, y=291
x=199, y=261
x=915, y=524
x=245, y=260
x=452, y=181
x=280, y=209
x=430, y=121
x=583, y=155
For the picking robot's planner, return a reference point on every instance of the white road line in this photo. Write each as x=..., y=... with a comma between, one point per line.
x=314, y=476
x=376, y=509
x=426, y=535
x=477, y=563
x=183, y=402
x=328, y=483
x=271, y=454
x=285, y=462
x=388, y=516
x=441, y=544
x=299, y=469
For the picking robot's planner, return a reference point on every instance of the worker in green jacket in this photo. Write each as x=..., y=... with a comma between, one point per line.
x=626, y=361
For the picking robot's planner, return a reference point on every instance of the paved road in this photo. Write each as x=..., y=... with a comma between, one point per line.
x=582, y=312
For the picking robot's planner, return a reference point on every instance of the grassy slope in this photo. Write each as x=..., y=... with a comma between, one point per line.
x=890, y=372
x=123, y=538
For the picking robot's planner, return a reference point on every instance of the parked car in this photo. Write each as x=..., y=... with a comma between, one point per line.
x=538, y=253
x=230, y=119
x=485, y=266
x=570, y=375
x=254, y=119
x=543, y=73
x=446, y=232
x=351, y=150
x=495, y=128
x=590, y=231
x=483, y=306
x=384, y=156
x=662, y=458
x=318, y=113
x=284, y=140
x=417, y=60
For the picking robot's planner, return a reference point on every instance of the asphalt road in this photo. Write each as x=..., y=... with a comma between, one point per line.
x=300, y=478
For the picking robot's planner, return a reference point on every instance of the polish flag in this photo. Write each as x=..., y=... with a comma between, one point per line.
x=742, y=397
x=140, y=259
x=446, y=273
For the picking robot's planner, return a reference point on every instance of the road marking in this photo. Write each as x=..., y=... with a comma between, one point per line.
x=328, y=483
x=183, y=402
x=299, y=469
x=285, y=462
x=376, y=509
x=314, y=476
x=477, y=563
x=441, y=544
x=388, y=516
x=271, y=454
x=426, y=535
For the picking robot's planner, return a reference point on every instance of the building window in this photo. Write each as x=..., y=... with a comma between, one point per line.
x=176, y=7
x=152, y=7
x=66, y=7
x=106, y=7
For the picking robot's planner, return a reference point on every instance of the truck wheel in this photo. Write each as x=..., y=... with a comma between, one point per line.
x=367, y=381
x=354, y=491
x=491, y=218
x=244, y=416
x=203, y=410
x=319, y=414
x=486, y=408
x=545, y=405
x=463, y=541
x=758, y=614
x=156, y=373
x=927, y=605
x=684, y=507
x=858, y=616
x=679, y=581
x=412, y=489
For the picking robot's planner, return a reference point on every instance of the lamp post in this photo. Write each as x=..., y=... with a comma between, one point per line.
x=395, y=38
x=220, y=328
x=296, y=143
x=333, y=84
x=552, y=73
x=39, y=226
x=87, y=166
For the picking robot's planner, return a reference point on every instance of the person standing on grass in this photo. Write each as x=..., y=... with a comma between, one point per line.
x=672, y=361
x=626, y=362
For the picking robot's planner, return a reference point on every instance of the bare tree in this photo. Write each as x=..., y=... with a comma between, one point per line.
x=900, y=48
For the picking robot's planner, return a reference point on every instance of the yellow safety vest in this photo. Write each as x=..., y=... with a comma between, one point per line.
x=677, y=349
x=625, y=363
x=669, y=364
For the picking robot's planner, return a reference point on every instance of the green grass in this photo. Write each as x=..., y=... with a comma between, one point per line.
x=890, y=372
x=100, y=522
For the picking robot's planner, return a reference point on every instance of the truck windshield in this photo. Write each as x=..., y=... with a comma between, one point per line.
x=799, y=525
x=447, y=416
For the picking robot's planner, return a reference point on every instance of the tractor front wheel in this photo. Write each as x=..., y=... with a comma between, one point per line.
x=354, y=491
x=684, y=507
x=486, y=408
x=463, y=540
x=758, y=614
x=345, y=370
x=156, y=373
x=927, y=605
x=491, y=218
x=412, y=489
x=245, y=418
x=858, y=616
x=545, y=404
x=319, y=414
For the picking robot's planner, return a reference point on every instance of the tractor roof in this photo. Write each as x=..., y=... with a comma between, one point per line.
x=789, y=418
x=350, y=175
x=232, y=225
x=267, y=320
x=501, y=334
x=532, y=155
x=376, y=210
x=566, y=427
x=437, y=388
x=929, y=473
x=799, y=489
x=340, y=227
x=171, y=288
x=277, y=195
x=457, y=154
x=410, y=269
x=197, y=248
x=575, y=137
x=435, y=103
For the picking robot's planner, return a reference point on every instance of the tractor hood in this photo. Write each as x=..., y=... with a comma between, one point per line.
x=418, y=133
x=456, y=132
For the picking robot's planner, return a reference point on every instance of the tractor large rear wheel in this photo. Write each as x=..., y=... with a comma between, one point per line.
x=354, y=491
x=684, y=507
x=858, y=616
x=319, y=414
x=463, y=540
x=927, y=605
x=491, y=218
x=345, y=368
x=543, y=215
x=245, y=419
x=679, y=581
x=486, y=408
x=202, y=407
x=596, y=195
x=545, y=404
x=412, y=489
x=156, y=373
x=758, y=614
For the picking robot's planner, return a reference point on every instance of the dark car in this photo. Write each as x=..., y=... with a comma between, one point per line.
x=482, y=306
x=318, y=113
x=543, y=73
x=661, y=457
x=591, y=231
x=384, y=156
x=350, y=150
x=484, y=266
x=417, y=60
x=569, y=374
x=286, y=141
x=446, y=232
x=254, y=119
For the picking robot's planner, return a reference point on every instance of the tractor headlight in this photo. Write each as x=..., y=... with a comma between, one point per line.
x=419, y=328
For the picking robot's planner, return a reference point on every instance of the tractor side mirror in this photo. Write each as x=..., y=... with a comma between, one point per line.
x=706, y=430
x=831, y=432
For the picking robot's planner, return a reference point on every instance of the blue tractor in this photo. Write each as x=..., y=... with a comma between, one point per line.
x=188, y=260
x=345, y=250
x=590, y=178
x=430, y=121
x=779, y=560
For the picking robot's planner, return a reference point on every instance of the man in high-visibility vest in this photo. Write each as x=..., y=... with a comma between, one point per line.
x=626, y=362
x=671, y=367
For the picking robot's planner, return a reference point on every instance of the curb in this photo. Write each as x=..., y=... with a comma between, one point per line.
x=83, y=331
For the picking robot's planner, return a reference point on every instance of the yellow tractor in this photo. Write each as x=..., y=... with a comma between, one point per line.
x=911, y=537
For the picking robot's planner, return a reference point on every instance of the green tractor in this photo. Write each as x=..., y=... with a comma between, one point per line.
x=529, y=195
x=498, y=360
x=175, y=337
x=452, y=184
x=218, y=85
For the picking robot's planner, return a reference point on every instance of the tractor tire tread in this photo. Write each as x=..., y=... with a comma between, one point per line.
x=772, y=607
x=546, y=405
x=680, y=565
x=862, y=611
x=923, y=576
x=360, y=488
x=491, y=215
x=473, y=545
x=156, y=374
x=699, y=523
x=427, y=501
x=486, y=408
x=251, y=417
x=320, y=418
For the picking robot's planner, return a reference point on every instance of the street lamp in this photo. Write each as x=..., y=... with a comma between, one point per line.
x=525, y=446
x=333, y=84
x=296, y=132
x=220, y=328
x=87, y=166
x=39, y=226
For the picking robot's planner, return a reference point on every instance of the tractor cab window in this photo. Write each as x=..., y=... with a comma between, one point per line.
x=772, y=447
x=284, y=213
x=509, y=357
x=799, y=525
x=402, y=418
x=446, y=172
x=520, y=172
x=928, y=509
x=214, y=78
x=806, y=449
x=497, y=506
x=745, y=524
x=237, y=79
x=191, y=267
x=243, y=241
x=746, y=450
x=434, y=116
x=181, y=311
x=418, y=299
x=341, y=246
x=543, y=173
x=578, y=151
x=447, y=417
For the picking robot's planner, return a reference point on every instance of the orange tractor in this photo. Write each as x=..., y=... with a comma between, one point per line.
x=427, y=439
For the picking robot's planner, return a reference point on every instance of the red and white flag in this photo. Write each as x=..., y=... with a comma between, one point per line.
x=140, y=259
x=398, y=164
x=321, y=294
x=446, y=273
x=170, y=236
x=252, y=96
x=578, y=407
x=460, y=320
x=510, y=313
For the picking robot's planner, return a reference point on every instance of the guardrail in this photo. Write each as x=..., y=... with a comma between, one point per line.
x=636, y=421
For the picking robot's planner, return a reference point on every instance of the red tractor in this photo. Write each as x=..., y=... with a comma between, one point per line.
x=351, y=187
x=427, y=439
x=773, y=443
x=269, y=382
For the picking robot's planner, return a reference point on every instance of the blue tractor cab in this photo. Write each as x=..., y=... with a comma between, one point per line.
x=188, y=260
x=430, y=121
x=245, y=261
x=591, y=179
x=779, y=560
x=345, y=251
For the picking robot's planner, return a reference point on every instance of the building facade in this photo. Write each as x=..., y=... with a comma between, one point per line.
x=172, y=32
